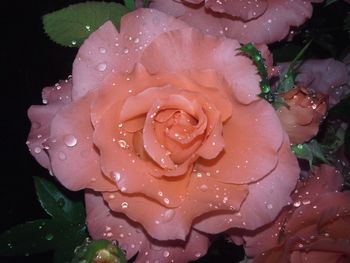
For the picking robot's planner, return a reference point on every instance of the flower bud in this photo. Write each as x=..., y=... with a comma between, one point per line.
x=98, y=251
x=302, y=114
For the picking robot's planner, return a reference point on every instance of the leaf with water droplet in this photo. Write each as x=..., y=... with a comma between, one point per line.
x=255, y=55
x=56, y=204
x=70, y=26
x=30, y=237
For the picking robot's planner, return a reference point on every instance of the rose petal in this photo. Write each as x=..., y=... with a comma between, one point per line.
x=262, y=202
x=159, y=221
x=40, y=116
x=105, y=224
x=199, y=52
x=106, y=51
x=273, y=25
x=245, y=10
x=248, y=155
x=74, y=160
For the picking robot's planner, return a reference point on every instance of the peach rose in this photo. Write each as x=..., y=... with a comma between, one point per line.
x=315, y=228
x=259, y=21
x=163, y=127
x=326, y=76
x=303, y=113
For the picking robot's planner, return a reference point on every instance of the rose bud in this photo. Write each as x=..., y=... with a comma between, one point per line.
x=302, y=114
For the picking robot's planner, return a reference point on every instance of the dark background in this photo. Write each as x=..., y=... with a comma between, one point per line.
x=30, y=61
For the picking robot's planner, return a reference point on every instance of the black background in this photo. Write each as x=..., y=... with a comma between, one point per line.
x=30, y=61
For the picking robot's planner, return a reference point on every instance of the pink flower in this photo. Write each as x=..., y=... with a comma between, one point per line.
x=163, y=127
x=312, y=229
x=260, y=21
x=302, y=114
x=326, y=76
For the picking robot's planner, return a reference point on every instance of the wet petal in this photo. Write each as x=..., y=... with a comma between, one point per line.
x=75, y=161
x=200, y=52
x=262, y=201
x=248, y=156
x=106, y=51
x=203, y=195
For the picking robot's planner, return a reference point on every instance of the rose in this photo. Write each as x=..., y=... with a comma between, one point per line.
x=262, y=21
x=302, y=114
x=312, y=229
x=163, y=127
x=326, y=76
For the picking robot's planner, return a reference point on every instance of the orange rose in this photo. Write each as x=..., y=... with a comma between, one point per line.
x=302, y=115
x=163, y=127
x=314, y=228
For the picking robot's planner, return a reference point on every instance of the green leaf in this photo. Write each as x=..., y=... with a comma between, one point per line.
x=40, y=236
x=28, y=238
x=67, y=242
x=56, y=204
x=347, y=143
x=329, y=2
x=70, y=26
x=146, y=3
x=347, y=23
x=288, y=80
x=312, y=151
x=255, y=55
x=130, y=4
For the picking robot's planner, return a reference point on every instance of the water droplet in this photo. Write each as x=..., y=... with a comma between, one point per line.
x=126, y=51
x=198, y=254
x=269, y=206
x=297, y=204
x=61, y=202
x=169, y=215
x=70, y=140
x=62, y=156
x=37, y=150
x=49, y=237
x=166, y=200
x=123, y=144
x=166, y=253
x=203, y=187
x=88, y=28
x=116, y=176
x=102, y=50
x=73, y=42
x=124, y=205
x=36, y=125
x=102, y=67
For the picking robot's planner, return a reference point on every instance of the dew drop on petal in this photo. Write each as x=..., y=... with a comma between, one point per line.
x=269, y=206
x=166, y=253
x=37, y=150
x=169, y=215
x=124, y=205
x=36, y=125
x=102, y=50
x=116, y=176
x=62, y=156
x=297, y=204
x=70, y=140
x=102, y=67
x=203, y=187
x=197, y=255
